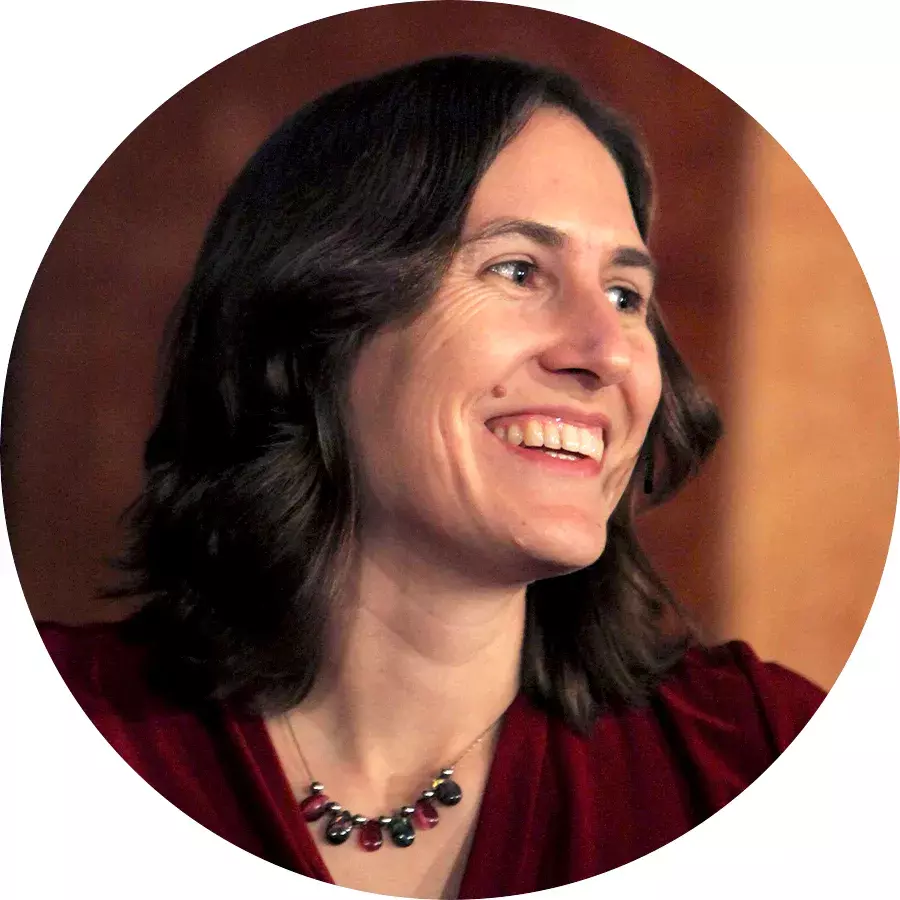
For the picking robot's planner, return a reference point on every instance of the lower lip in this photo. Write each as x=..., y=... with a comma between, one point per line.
x=583, y=466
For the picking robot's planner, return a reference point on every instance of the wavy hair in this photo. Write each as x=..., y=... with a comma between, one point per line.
x=343, y=222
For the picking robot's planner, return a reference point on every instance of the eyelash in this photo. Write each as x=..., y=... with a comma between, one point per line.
x=637, y=303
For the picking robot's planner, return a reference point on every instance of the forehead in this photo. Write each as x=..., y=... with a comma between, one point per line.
x=555, y=171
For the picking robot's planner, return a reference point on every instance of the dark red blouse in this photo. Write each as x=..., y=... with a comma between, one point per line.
x=557, y=807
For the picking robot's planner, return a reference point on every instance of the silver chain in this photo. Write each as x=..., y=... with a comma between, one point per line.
x=445, y=773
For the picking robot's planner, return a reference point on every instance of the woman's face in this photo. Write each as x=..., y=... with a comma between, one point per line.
x=498, y=430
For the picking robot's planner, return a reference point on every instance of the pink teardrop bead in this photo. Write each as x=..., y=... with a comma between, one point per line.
x=370, y=838
x=425, y=815
x=314, y=807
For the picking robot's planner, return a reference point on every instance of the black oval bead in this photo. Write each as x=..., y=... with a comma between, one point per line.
x=402, y=832
x=339, y=827
x=448, y=792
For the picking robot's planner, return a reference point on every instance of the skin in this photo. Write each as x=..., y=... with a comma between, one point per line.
x=422, y=393
x=454, y=525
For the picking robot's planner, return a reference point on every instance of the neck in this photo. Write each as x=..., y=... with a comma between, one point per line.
x=426, y=662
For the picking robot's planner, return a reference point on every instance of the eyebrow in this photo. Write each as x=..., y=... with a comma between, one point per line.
x=635, y=258
x=548, y=236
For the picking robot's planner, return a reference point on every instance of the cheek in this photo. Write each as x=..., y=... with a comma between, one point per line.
x=385, y=417
x=653, y=389
x=370, y=384
x=457, y=352
x=646, y=381
x=456, y=334
x=409, y=393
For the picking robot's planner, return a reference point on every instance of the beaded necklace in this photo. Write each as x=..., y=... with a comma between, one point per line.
x=401, y=825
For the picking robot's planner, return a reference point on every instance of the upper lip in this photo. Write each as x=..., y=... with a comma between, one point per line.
x=595, y=422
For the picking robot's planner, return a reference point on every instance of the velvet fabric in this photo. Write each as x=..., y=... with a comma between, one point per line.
x=557, y=808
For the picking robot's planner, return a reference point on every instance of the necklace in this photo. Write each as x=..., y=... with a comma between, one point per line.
x=402, y=824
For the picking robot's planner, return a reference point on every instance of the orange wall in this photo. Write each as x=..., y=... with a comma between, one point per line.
x=813, y=458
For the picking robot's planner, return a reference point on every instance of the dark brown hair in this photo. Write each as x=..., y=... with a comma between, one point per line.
x=342, y=222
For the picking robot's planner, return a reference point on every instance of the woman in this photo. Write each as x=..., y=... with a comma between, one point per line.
x=394, y=601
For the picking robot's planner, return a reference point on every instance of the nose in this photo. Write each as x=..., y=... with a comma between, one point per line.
x=589, y=339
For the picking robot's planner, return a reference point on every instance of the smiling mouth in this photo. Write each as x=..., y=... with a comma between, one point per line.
x=555, y=439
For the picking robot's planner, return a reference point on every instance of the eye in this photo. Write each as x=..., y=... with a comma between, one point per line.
x=625, y=299
x=518, y=271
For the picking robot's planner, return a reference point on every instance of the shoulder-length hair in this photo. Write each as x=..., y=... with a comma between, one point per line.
x=344, y=221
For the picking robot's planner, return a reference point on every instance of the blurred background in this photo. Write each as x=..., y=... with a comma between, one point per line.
x=782, y=540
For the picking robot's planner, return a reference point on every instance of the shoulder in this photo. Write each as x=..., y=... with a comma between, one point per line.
x=85, y=653
x=729, y=687
x=105, y=670
x=645, y=774
x=77, y=649
x=719, y=719
x=187, y=754
x=99, y=665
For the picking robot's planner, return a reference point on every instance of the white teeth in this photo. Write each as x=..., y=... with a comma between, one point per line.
x=570, y=438
x=553, y=436
x=585, y=440
x=589, y=444
x=534, y=434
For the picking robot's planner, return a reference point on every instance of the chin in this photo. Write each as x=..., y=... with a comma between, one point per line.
x=560, y=552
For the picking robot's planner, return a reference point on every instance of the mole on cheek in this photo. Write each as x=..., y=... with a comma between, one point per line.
x=499, y=391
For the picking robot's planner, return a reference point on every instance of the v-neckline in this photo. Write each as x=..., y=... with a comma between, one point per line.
x=520, y=749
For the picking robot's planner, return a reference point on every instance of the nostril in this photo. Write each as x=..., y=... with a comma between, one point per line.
x=585, y=377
